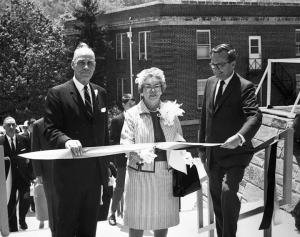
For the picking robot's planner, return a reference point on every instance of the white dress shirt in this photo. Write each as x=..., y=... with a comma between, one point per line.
x=9, y=140
x=80, y=88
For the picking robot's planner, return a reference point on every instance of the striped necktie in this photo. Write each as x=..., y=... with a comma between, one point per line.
x=87, y=102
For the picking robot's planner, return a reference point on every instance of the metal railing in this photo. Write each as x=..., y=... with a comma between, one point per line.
x=287, y=135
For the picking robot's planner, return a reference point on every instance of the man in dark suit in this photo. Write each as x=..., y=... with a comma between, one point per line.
x=43, y=171
x=21, y=175
x=120, y=160
x=76, y=117
x=230, y=115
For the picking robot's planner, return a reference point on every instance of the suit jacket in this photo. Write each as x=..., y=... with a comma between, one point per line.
x=236, y=112
x=66, y=118
x=19, y=165
x=38, y=143
x=115, y=135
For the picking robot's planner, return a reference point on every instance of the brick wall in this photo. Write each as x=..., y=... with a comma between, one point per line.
x=251, y=187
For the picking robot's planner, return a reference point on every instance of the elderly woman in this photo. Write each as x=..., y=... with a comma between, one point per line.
x=149, y=203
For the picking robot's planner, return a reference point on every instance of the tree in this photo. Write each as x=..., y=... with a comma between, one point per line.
x=96, y=36
x=33, y=58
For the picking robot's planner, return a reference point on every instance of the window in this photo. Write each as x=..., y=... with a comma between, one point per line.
x=203, y=44
x=145, y=45
x=120, y=46
x=121, y=85
x=255, y=60
x=297, y=42
x=200, y=92
x=297, y=83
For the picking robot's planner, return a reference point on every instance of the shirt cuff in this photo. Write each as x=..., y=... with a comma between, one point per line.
x=242, y=138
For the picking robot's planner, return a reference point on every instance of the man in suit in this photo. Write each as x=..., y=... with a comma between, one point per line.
x=21, y=176
x=43, y=171
x=76, y=117
x=120, y=160
x=230, y=115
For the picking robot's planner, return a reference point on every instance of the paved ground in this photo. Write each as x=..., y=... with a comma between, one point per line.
x=247, y=227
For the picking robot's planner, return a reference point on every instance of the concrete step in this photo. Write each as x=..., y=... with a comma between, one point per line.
x=247, y=226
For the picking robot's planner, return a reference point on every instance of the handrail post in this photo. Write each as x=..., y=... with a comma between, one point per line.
x=4, y=229
x=288, y=167
x=267, y=232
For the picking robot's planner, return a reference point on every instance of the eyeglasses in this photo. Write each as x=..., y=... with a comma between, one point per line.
x=218, y=65
x=82, y=62
x=149, y=88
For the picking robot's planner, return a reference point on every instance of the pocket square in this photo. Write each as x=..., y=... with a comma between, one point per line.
x=23, y=149
x=103, y=110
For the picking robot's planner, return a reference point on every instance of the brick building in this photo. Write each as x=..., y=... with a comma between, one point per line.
x=177, y=36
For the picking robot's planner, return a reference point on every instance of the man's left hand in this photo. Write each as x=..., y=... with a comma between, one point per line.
x=232, y=142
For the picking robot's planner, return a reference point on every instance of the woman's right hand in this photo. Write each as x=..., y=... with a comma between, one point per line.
x=147, y=155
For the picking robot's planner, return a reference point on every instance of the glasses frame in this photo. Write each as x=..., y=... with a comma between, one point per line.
x=149, y=88
x=218, y=65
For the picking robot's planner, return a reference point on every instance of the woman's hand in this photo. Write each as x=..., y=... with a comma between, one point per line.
x=147, y=155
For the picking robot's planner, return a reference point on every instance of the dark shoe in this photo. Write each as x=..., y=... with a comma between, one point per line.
x=23, y=226
x=112, y=219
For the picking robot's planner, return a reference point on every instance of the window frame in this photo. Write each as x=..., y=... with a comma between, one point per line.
x=122, y=45
x=146, y=45
x=201, y=92
x=203, y=45
x=297, y=44
x=123, y=85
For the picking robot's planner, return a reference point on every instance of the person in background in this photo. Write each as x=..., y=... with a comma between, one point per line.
x=29, y=134
x=229, y=115
x=128, y=101
x=43, y=170
x=107, y=193
x=76, y=117
x=149, y=200
x=14, y=145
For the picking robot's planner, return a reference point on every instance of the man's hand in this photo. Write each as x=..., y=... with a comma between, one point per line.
x=75, y=147
x=232, y=142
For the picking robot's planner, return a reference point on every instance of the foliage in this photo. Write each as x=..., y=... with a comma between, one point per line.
x=56, y=8
x=96, y=36
x=33, y=58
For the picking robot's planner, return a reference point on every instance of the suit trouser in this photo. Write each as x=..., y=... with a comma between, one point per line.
x=52, y=203
x=223, y=192
x=119, y=189
x=78, y=209
x=24, y=202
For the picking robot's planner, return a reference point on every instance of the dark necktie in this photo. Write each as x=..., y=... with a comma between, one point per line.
x=220, y=92
x=88, y=103
x=13, y=149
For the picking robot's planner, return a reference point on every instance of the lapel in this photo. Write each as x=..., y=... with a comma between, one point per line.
x=6, y=145
x=228, y=90
x=213, y=92
x=77, y=97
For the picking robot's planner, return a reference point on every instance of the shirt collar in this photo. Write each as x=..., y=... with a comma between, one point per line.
x=80, y=86
x=228, y=79
x=9, y=138
x=143, y=107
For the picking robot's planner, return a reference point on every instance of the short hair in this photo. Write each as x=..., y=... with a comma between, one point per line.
x=225, y=47
x=127, y=97
x=80, y=46
x=152, y=72
x=7, y=118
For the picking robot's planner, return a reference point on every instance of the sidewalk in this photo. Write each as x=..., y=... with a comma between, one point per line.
x=247, y=227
